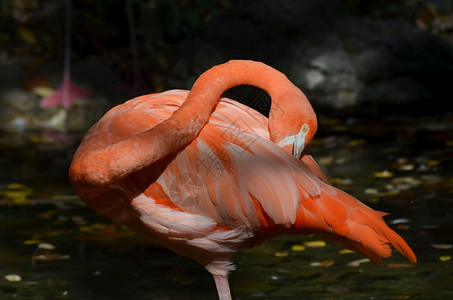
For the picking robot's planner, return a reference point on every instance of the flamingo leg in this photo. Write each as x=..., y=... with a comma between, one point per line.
x=223, y=287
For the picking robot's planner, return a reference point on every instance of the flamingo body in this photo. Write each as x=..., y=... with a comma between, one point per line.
x=228, y=188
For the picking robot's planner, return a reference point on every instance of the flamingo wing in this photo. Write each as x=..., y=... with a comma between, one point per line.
x=232, y=177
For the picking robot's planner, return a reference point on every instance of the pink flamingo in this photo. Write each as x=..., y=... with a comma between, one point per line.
x=207, y=176
x=67, y=92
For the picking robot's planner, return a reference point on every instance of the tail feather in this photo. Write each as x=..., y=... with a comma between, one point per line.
x=351, y=245
x=344, y=220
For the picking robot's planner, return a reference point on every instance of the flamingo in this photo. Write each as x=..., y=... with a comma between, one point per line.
x=207, y=176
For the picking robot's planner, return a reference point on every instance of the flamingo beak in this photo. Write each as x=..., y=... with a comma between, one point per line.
x=296, y=142
x=299, y=142
x=297, y=149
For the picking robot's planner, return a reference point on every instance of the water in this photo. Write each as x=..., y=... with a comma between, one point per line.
x=63, y=250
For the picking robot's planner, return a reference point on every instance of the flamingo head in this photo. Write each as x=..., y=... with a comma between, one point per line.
x=293, y=128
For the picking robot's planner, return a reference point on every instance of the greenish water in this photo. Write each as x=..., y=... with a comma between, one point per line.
x=63, y=250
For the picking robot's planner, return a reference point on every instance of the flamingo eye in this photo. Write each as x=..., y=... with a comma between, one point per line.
x=305, y=128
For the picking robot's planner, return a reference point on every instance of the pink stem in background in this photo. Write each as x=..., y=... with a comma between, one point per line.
x=67, y=92
x=134, y=50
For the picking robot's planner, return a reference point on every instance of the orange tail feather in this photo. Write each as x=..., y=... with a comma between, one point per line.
x=344, y=220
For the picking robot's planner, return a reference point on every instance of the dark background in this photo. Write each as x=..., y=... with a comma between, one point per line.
x=349, y=57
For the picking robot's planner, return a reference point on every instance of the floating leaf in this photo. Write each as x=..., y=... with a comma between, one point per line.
x=373, y=200
x=340, y=181
x=315, y=244
x=345, y=251
x=65, y=197
x=340, y=161
x=322, y=264
x=442, y=246
x=383, y=174
x=79, y=220
x=403, y=227
x=371, y=191
x=406, y=180
x=358, y=262
x=326, y=160
x=432, y=163
x=31, y=242
x=281, y=254
x=46, y=246
x=26, y=35
x=356, y=142
x=399, y=221
x=51, y=257
x=101, y=231
x=86, y=229
x=42, y=91
x=407, y=167
x=13, y=277
x=16, y=186
x=298, y=248
x=18, y=193
x=444, y=258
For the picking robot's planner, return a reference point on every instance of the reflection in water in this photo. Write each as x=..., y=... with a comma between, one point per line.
x=58, y=248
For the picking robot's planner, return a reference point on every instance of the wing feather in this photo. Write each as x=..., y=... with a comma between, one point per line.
x=232, y=175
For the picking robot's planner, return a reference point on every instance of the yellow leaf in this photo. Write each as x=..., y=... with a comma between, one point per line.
x=26, y=35
x=18, y=197
x=31, y=242
x=42, y=91
x=281, y=254
x=374, y=200
x=298, y=248
x=16, y=186
x=356, y=142
x=18, y=193
x=86, y=229
x=383, y=174
x=445, y=258
x=100, y=226
x=345, y=251
x=315, y=244
x=432, y=163
x=403, y=227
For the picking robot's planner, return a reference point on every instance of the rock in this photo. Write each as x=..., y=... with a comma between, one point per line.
x=16, y=109
x=339, y=59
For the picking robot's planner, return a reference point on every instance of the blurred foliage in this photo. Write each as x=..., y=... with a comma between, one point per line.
x=35, y=28
x=433, y=15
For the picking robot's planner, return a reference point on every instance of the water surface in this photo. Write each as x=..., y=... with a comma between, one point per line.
x=61, y=249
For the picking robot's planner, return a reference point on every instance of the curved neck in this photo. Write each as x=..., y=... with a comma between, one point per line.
x=287, y=99
x=101, y=167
